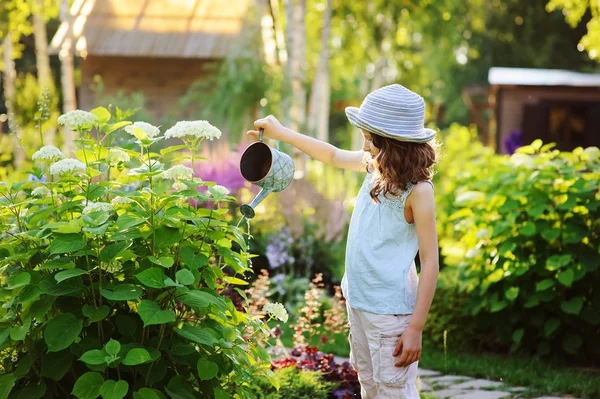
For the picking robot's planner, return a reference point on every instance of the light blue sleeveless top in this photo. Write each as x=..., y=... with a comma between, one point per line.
x=381, y=276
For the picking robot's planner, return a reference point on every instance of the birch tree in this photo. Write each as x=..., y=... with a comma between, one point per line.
x=67, y=74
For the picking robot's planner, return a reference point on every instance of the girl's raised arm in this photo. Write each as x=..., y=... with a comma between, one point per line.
x=317, y=149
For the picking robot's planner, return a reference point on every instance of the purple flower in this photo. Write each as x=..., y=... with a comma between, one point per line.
x=278, y=248
x=513, y=141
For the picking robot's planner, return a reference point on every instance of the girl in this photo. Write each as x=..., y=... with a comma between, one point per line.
x=394, y=217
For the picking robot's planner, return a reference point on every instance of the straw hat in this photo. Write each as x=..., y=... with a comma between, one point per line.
x=394, y=112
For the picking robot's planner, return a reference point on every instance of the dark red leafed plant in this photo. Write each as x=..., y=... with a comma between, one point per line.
x=309, y=358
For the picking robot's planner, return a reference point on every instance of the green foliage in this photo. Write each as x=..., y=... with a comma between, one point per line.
x=574, y=12
x=111, y=281
x=520, y=242
x=297, y=384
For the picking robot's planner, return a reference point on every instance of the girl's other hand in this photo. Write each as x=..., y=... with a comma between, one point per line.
x=273, y=128
x=408, y=347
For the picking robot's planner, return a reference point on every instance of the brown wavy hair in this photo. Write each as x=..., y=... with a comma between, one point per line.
x=401, y=163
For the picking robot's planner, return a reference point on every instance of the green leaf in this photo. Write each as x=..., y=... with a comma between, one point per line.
x=94, y=357
x=184, y=277
x=95, y=314
x=235, y=280
x=114, y=389
x=55, y=365
x=49, y=286
x=29, y=293
x=109, y=252
x=102, y=114
x=65, y=243
x=207, y=370
x=67, y=274
x=551, y=235
x=88, y=386
x=24, y=366
x=7, y=381
x=150, y=313
x=31, y=391
x=128, y=220
x=178, y=388
x=136, y=356
x=147, y=393
x=62, y=331
x=551, y=325
x=221, y=394
x=169, y=150
x=571, y=343
x=60, y=263
x=41, y=307
x=152, y=277
x=528, y=229
x=199, y=299
x=512, y=293
x=108, y=129
x=164, y=261
x=18, y=333
x=18, y=280
x=518, y=335
x=566, y=277
x=112, y=347
x=557, y=261
x=192, y=260
x=572, y=306
x=122, y=292
x=544, y=284
x=508, y=206
x=199, y=335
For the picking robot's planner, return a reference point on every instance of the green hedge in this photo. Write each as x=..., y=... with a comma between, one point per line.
x=519, y=236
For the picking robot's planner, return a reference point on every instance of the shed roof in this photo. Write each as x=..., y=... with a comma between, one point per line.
x=153, y=28
x=542, y=77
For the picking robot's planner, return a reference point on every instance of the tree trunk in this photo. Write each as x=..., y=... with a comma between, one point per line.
x=10, y=76
x=42, y=59
x=298, y=76
x=67, y=76
x=318, y=119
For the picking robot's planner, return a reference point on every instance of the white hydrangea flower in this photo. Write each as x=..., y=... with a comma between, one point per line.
x=41, y=191
x=194, y=130
x=66, y=165
x=151, y=130
x=111, y=267
x=277, y=310
x=178, y=172
x=179, y=186
x=224, y=191
x=121, y=201
x=116, y=156
x=48, y=153
x=97, y=207
x=77, y=119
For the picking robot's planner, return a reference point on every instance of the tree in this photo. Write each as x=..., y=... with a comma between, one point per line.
x=41, y=11
x=67, y=74
x=320, y=94
x=574, y=11
x=13, y=24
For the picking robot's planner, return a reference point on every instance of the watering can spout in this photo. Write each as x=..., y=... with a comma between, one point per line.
x=268, y=168
x=248, y=209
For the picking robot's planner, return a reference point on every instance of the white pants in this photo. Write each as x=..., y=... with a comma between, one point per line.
x=373, y=338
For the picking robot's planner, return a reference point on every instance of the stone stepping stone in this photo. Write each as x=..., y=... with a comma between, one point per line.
x=554, y=397
x=518, y=389
x=428, y=373
x=445, y=393
x=422, y=385
x=479, y=394
x=446, y=380
x=479, y=383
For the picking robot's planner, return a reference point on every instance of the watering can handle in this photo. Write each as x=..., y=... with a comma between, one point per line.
x=260, y=137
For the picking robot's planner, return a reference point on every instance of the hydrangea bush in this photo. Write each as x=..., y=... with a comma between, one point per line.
x=111, y=279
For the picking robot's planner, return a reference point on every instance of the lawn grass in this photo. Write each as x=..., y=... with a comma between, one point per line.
x=541, y=377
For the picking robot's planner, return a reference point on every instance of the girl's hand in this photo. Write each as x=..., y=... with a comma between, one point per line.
x=273, y=128
x=409, y=345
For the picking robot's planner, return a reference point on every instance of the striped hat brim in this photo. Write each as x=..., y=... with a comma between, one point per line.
x=424, y=136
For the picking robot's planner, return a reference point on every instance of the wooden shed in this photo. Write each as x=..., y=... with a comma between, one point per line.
x=553, y=105
x=157, y=47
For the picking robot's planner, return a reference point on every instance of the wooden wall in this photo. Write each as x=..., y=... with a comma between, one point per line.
x=162, y=80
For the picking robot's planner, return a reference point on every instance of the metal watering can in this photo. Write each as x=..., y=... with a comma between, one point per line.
x=268, y=168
